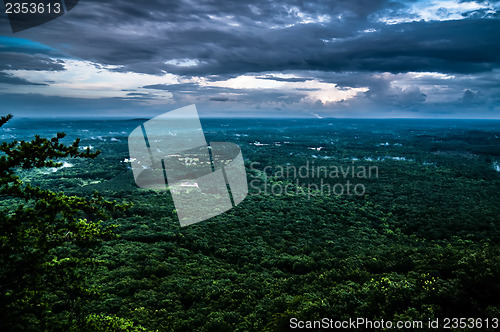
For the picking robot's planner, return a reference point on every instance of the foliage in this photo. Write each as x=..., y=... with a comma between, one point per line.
x=45, y=238
x=421, y=244
x=103, y=323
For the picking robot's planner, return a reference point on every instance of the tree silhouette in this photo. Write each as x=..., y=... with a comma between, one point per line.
x=45, y=238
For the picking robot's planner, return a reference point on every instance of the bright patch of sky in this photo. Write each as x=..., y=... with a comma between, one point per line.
x=312, y=90
x=228, y=19
x=84, y=79
x=300, y=17
x=439, y=11
x=184, y=62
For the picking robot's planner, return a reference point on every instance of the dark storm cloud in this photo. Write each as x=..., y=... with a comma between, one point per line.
x=137, y=94
x=21, y=54
x=219, y=99
x=470, y=98
x=9, y=79
x=21, y=61
x=23, y=57
x=385, y=94
x=240, y=37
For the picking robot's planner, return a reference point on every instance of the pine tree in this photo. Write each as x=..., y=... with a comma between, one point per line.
x=46, y=239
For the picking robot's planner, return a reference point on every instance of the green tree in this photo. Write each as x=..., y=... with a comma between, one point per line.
x=46, y=239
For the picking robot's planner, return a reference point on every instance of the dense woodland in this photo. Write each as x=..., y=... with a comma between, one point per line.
x=423, y=242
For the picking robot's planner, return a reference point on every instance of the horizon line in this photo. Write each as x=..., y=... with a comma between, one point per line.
x=103, y=118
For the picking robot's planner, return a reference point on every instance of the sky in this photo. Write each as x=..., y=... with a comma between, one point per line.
x=312, y=59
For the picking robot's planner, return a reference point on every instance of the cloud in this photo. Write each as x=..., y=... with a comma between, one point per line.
x=432, y=10
x=10, y=79
x=468, y=96
x=385, y=93
x=214, y=38
x=83, y=79
x=322, y=57
x=219, y=98
x=20, y=61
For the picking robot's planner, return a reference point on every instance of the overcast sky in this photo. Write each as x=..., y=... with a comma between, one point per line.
x=348, y=58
